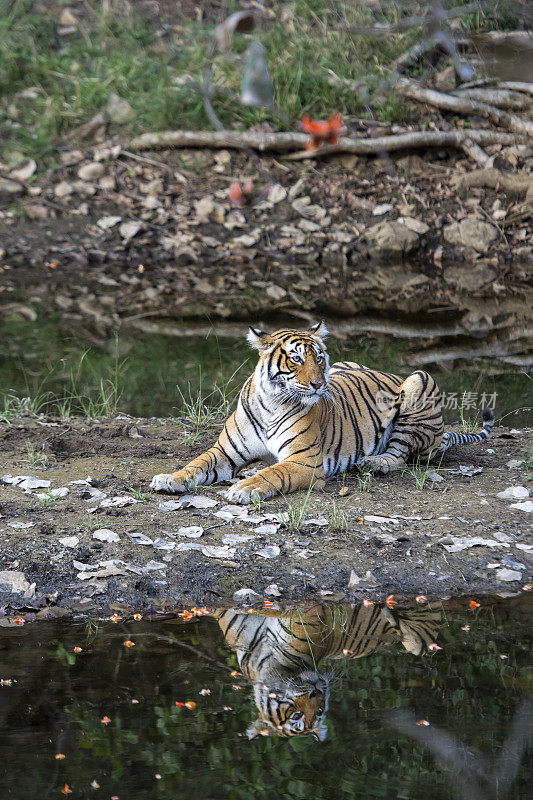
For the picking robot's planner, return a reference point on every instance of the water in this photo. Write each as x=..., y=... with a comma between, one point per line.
x=154, y=375
x=475, y=692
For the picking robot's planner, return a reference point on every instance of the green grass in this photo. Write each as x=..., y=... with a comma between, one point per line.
x=337, y=517
x=419, y=469
x=36, y=457
x=52, y=83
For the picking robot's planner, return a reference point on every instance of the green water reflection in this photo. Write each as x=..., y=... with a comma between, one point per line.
x=149, y=373
x=360, y=678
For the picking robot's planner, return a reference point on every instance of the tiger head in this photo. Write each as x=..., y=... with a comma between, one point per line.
x=293, y=365
x=295, y=708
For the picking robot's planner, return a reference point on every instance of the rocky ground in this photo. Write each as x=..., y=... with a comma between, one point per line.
x=118, y=241
x=81, y=531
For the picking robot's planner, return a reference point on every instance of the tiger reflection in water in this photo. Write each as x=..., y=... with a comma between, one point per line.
x=279, y=653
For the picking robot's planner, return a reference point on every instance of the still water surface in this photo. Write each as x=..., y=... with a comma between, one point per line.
x=61, y=368
x=335, y=699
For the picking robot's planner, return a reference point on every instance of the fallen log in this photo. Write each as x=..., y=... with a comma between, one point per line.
x=462, y=105
x=502, y=98
x=289, y=142
x=515, y=185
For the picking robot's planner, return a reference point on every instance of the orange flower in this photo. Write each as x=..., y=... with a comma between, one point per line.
x=205, y=692
x=528, y=587
x=423, y=722
x=59, y=756
x=251, y=611
x=53, y=265
x=322, y=131
x=465, y=628
x=190, y=704
x=137, y=617
x=77, y=649
x=179, y=704
x=128, y=643
x=236, y=687
x=390, y=602
x=473, y=605
x=368, y=603
x=186, y=615
x=434, y=647
x=347, y=652
x=235, y=674
x=421, y=598
x=66, y=789
x=140, y=268
x=226, y=708
x=95, y=784
x=19, y=621
x=105, y=720
x=268, y=603
x=115, y=618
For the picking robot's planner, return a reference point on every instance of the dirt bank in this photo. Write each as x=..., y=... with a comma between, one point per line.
x=153, y=244
x=86, y=552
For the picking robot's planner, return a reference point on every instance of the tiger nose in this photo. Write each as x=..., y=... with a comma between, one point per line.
x=316, y=386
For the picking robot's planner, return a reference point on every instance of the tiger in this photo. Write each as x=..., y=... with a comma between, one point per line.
x=280, y=656
x=309, y=421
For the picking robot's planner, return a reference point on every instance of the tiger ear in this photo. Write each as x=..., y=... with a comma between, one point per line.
x=257, y=339
x=320, y=330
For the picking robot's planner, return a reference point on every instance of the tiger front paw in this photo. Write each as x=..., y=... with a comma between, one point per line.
x=166, y=483
x=243, y=493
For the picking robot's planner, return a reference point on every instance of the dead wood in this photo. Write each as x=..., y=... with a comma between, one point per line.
x=462, y=105
x=289, y=142
x=475, y=152
x=502, y=98
x=515, y=185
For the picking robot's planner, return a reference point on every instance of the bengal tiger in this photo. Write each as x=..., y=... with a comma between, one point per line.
x=309, y=421
x=280, y=656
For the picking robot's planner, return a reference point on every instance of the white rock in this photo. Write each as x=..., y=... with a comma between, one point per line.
x=53, y=493
x=13, y=581
x=414, y=224
x=514, y=493
x=384, y=208
x=272, y=551
x=236, y=538
x=26, y=482
x=21, y=525
x=140, y=538
x=526, y=506
x=91, y=172
x=196, y=501
x=266, y=530
x=218, y=552
x=273, y=590
x=454, y=544
x=24, y=172
x=118, y=502
x=105, y=535
x=508, y=575
x=247, y=596
x=191, y=532
x=129, y=229
x=277, y=193
x=69, y=541
x=164, y=544
x=104, y=223
x=381, y=520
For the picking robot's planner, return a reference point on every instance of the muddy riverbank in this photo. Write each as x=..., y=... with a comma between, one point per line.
x=108, y=542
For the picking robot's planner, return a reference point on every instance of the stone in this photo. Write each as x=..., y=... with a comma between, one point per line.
x=63, y=189
x=414, y=224
x=10, y=188
x=471, y=232
x=389, y=239
x=508, y=575
x=36, y=211
x=13, y=581
x=91, y=171
x=514, y=493
x=119, y=110
x=470, y=280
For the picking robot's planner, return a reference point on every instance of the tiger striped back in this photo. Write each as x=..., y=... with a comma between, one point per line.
x=308, y=421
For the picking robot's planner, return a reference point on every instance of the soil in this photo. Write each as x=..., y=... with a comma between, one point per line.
x=255, y=263
x=401, y=554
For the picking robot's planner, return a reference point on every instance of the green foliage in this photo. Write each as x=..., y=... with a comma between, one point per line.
x=318, y=61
